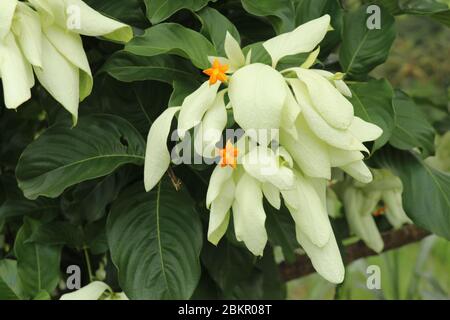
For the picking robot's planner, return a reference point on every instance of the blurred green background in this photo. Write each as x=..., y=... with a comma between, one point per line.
x=419, y=64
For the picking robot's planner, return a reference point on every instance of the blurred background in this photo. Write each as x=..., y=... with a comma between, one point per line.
x=420, y=270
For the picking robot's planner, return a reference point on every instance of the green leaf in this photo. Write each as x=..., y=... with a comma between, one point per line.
x=140, y=103
x=227, y=264
x=172, y=38
x=426, y=191
x=9, y=288
x=280, y=13
x=363, y=49
x=25, y=207
x=57, y=233
x=412, y=130
x=308, y=10
x=281, y=231
x=435, y=9
x=215, y=26
x=160, y=10
x=130, y=11
x=127, y=67
x=88, y=201
x=155, y=240
x=63, y=156
x=37, y=264
x=372, y=102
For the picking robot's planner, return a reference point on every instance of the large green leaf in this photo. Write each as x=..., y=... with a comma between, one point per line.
x=127, y=67
x=372, y=102
x=37, y=264
x=227, y=264
x=172, y=38
x=25, y=207
x=308, y=10
x=412, y=130
x=215, y=26
x=426, y=191
x=280, y=13
x=140, y=103
x=9, y=288
x=64, y=156
x=155, y=240
x=435, y=9
x=129, y=11
x=160, y=10
x=362, y=48
x=88, y=201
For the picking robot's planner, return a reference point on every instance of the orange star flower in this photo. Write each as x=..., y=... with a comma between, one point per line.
x=217, y=72
x=228, y=155
x=379, y=212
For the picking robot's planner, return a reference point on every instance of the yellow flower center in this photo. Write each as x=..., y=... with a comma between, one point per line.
x=228, y=155
x=217, y=72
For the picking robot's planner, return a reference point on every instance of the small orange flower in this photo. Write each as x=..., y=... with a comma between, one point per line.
x=217, y=72
x=228, y=155
x=379, y=212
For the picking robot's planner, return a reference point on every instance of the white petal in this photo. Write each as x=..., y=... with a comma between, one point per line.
x=309, y=153
x=92, y=291
x=343, y=88
x=195, y=105
x=326, y=260
x=272, y=195
x=303, y=39
x=341, y=157
x=7, y=9
x=15, y=73
x=213, y=124
x=334, y=108
x=27, y=29
x=157, y=156
x=220, y=212
x=71, y=47
x=59, y=77
x=394, y=208
x=290, y=113
x=310, y=214
x=340, y=85
x=257, y=93
x=218, y=179
x=78, y=17
x=359, y=171
x=363, y=225
x=338, y=138
x=263, y=165
x=234, y=52
x=365, y=131
x=311, y=60
x=249, y=216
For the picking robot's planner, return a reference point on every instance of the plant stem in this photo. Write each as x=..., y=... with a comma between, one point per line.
x=88, y=263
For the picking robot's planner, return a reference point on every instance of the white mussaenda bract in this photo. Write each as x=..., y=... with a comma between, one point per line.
x=37, y=36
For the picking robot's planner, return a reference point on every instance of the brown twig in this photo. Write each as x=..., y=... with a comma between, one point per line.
x=392, y=239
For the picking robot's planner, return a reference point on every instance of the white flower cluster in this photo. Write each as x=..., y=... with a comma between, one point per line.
x=44, y=36
x=318, y=131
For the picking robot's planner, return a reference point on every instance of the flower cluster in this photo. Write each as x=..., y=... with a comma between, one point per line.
x=317, y=132
x=44, y=36
x=362, y=204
